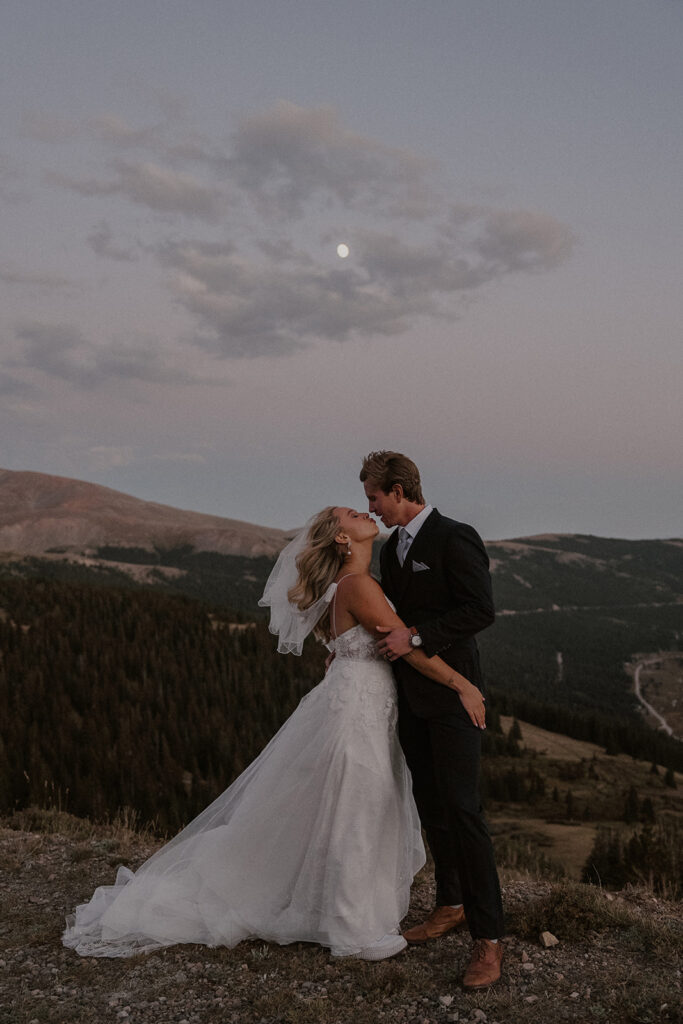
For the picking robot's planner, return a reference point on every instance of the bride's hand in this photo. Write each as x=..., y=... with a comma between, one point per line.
x=474, y=705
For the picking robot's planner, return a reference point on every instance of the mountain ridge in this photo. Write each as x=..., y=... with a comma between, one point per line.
x=87, y=515
x=72, y=530
x=40, y=512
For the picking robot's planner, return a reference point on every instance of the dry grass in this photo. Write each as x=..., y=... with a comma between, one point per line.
x=599, y=785
x=572, y=911
x=615, y=963
x=124, y=827
x=552, y=744
x=567, y=845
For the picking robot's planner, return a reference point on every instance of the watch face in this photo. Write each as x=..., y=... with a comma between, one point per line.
x=416, y=640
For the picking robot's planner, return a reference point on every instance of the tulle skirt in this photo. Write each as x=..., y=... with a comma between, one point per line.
x=317, y=841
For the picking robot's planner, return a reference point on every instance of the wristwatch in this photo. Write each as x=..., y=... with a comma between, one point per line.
x=415, y=638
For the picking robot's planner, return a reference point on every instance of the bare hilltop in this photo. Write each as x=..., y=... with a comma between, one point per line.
x=42, y=514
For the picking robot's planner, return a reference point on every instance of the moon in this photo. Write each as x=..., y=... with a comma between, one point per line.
x=343, y=251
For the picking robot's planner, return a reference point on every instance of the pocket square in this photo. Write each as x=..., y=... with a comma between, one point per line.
x=420, y=567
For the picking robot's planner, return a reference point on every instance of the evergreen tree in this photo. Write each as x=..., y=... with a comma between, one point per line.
x=632, y=806
x=512, y=745
x=612, y=747
x=649, y=857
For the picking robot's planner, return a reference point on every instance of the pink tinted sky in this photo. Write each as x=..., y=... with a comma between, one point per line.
x=176, y=323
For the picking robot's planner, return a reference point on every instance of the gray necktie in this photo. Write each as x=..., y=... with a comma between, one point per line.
x=404, y=540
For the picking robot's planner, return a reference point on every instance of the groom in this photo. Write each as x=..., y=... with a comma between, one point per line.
x=436, y=572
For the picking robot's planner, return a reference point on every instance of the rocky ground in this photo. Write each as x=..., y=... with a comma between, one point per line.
x=618, y=959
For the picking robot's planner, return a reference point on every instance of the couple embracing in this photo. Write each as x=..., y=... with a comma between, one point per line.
x=320, y=837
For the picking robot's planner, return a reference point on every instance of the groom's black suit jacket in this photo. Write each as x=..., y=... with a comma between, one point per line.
x=444, y=589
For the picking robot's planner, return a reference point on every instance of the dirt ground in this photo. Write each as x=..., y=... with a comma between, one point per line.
x=618, y=959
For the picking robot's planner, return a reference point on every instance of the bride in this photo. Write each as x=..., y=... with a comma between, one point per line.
x=318, y=840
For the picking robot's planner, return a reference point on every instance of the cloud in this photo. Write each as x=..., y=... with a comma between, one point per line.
x=289, y=154
x=44, y=279
x=188, y=457
x=249, y=308
x=13, y=387
x=144, y=364
x=102, y=457
x=62, y=351
x=116, y=131
x=148, y=184
x=110, y=456
x=56, y=349
x=295, y=181
x=12, y=179
x=285, y=299
x=417, y=272
x=100, y=241
x=50, y=127
x=512, y=240
x=108, y=128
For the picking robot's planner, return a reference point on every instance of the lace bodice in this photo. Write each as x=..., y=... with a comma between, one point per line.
x=355, y=643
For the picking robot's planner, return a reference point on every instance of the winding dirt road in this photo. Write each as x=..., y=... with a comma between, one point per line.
x=663, y=724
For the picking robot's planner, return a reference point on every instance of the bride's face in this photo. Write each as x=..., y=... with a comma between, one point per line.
x=357, y=526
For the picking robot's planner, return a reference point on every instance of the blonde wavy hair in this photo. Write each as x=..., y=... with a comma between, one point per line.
x=318, y=564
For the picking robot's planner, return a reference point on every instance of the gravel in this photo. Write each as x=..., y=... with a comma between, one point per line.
x=607, y=976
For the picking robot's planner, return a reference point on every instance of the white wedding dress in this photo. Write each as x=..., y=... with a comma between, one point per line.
x=317, y=841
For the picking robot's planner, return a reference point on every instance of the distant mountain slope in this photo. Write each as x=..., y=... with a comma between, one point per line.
x=576, y=570
x=72, y=530
x=39, y=513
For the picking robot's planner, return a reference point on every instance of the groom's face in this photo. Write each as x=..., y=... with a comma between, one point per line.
x=384, y=506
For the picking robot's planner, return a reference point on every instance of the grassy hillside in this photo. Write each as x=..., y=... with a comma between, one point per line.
x=572, y=610
x=574, y=569
x=549, y=797
x=113, y=697
x=529, y=573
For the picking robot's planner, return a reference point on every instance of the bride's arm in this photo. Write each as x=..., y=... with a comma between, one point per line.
x=365, y=600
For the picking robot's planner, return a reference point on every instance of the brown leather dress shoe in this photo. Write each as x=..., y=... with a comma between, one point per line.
x=484, y=965
x=440, y=921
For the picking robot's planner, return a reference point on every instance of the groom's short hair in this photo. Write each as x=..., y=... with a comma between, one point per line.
x=389, y=468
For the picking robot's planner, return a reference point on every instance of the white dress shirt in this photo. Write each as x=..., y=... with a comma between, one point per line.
x=408, y=533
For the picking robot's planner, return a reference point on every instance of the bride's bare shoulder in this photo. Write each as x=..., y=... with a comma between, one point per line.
x=364, y=600
x=362, y=591
x=359, y=583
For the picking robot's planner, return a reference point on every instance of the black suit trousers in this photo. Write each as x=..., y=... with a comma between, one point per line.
x=444, y=753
